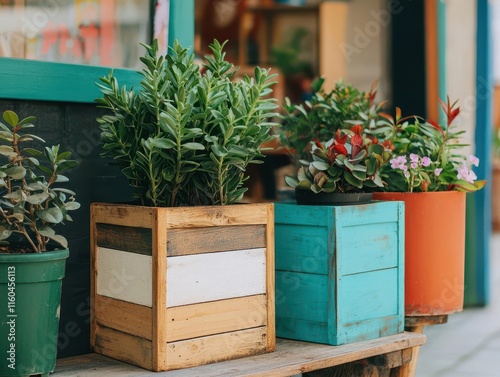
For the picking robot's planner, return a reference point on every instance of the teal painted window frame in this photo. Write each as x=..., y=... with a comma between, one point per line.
x=22, y=79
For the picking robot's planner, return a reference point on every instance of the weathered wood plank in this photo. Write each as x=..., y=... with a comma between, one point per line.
x=215, y=239
x=129, y=348
x=291, y=357
x=127, y=279
x=124, y=215
x=93, y=276
x=123, y=316
x=216, y=317
x=200, y=278
x=237, y=344
x=270, y=282
x=159, y=291
x=199, y=217
x=125, y=238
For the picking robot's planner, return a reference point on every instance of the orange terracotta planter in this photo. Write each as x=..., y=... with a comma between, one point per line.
x=434, y=251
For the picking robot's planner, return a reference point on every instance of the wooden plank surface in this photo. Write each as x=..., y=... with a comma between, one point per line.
x=199, y=278
x=270, y=281
x=199, y=217
x=291, y=357
x=215, y=239
x=126, y=238
x=124, y=276
x=209, y=349
x=124, y=215
x=123, y=316
x=215, y=317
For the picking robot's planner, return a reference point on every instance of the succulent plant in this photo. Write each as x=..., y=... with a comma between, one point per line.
x=346, y=163
x=31, y=203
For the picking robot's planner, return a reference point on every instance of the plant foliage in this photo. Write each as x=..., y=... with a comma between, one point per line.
x=31, y=203
x=186, y=136
x=326, y=112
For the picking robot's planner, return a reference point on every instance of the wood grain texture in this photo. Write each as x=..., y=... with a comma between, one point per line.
x=215, y=239
x=291, y=357
x=270, y=281
x=216, y=317
x=199, y=351
x=124, y=278
x=125, y=347
x=125, y=238
x=199, y=278
x=199, y=217
x=93, y=277
x=124, y=215
x=123, y=316
x=159, y=290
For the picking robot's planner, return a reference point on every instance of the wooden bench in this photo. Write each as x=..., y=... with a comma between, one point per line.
x=379, y=357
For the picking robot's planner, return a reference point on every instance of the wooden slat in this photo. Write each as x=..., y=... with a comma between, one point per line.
x=159, y=287
x=129, y=348
x=199, y=217
x=270, y=283
x=124, y=215
x=215, y=239
x=93, y=276
x=199, y=351
x=123, y=316
x=193, y=279
x=291, y=357
x=124, y=276
x=125, y=238
x=216, y=317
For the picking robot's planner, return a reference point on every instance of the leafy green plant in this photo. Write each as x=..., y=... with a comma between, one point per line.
x=347, y=163
x=325, y=114
x=31, y=204
x=287, y=55
x=426, y=155
x=186, y=136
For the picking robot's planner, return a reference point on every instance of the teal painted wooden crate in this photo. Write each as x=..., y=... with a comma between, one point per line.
x=339, y=271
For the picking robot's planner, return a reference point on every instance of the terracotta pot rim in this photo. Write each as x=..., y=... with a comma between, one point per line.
x=418, y=193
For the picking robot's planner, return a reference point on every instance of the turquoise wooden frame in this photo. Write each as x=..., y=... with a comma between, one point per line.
x=46, y=81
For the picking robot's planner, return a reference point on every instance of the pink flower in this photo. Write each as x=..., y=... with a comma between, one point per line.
x=426, y=161
x=414, y=157
x=414, y=165
x=466, y=174
x=407, y=174
x=394, y=163
x=438, y=171
x=474, y=160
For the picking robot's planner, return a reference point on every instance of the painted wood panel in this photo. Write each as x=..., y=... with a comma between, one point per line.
x=360, y=214
x=302, y=296
x=127, y=279
x=368, y=247
x=188, y=353
x=372, y=294
x=123, y=316
x=125, y=238
x=291, y=214
x=302, y=248
x=215, y=239
x=216, y=276
x=369, y=329
x=305, y=330
x=122, y=346
x=216, y=317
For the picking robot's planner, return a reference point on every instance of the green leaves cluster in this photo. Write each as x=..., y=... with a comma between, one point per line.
x=187, y=135
x=345, y=164
x=324, y=114
x=31, y=203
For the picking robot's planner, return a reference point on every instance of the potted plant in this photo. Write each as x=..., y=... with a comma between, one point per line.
x=186, y=277
x=32, y=254
x=431, y=176
x=339, y=265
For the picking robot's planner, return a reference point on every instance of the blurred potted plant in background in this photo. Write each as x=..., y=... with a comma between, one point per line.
x=32, y=254
x=431, y=176
x=324, y=114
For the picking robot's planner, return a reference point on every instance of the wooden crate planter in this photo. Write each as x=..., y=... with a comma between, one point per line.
x=179, y=287
x=339, y=271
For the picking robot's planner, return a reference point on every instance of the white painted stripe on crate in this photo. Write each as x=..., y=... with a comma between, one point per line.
x=124, y=276
x=215, y=276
